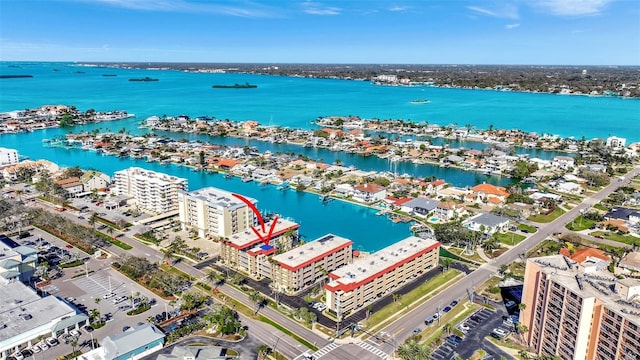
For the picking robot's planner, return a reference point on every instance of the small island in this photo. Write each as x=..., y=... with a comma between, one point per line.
x=420, y=101
x=235, y=86
x=146, y=78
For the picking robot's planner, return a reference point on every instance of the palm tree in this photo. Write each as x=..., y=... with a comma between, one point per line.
x=412, y=350
x=211, y=277
x=395, y=297
x=445, y=263
x=264, y=350
x=74, y=344
x=255, y=298
x=97, y=301
x=447, y=328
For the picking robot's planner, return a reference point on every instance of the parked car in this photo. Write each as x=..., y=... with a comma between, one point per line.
x=447, y=309
x=36, y=349
x=18, y=356
x=88, y=328
x=75, y=333
x=510, y=304
x=454, y=340
x=109, y=295
x=119, y=299
x=498, y=333
x=454, y=303
x=417, y=331
x=125, y=328
x=464, y=327
x=51, y=341
x=43, y=346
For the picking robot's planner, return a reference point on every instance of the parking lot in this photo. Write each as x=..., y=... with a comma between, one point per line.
x=475, y=328
x=80, y=287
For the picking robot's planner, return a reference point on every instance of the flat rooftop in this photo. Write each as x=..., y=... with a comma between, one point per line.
x=249, y=238
x=216, y=197
x=599, y=284
x=380, y=262
x=22, y=310
x=312, y=251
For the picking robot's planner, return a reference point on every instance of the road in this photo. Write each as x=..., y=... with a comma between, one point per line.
x=261, y=331
x=403, y=327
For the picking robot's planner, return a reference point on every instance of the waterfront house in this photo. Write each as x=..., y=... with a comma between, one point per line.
x=568, y=187
x=369, y=192
x=487, y=223
x=420, y=206
x=433, y=187
x=489, y=192
x=563, y=162
x=454, y=193
x=447, y=210
x=343, y=190
x=615, y=142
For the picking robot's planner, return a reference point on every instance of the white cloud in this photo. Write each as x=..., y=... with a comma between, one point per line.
x=314, y=8
x=507, y=11
x=248, y=10
x=398, y=8
x=511, y=26
x=573, y=7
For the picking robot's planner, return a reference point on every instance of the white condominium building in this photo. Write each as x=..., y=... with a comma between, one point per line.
x=150, y=190
x=8, y=156
x=301, y=267
x=215, y=212
x=360, y=283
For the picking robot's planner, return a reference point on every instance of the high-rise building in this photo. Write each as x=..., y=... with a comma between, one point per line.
x=8, y=156
x=580, y=310
x=215, y=212
x=358, y=284
x=303, y=266
x=150, y=190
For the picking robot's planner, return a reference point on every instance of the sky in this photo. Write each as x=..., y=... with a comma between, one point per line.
x=540, y=32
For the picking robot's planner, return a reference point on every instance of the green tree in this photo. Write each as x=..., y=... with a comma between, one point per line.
x=263, y=351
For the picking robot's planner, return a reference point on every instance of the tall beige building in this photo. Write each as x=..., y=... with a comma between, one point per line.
x=215, y=212
x=580, y=311
x=360, y=283
x=301, y=267
x=154, y=191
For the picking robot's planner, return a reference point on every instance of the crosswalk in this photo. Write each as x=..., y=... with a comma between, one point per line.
x=374, y=350
x=325, y=350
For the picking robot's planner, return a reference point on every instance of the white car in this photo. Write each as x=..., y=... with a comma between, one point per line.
x=497, y=332
x=464, y=327
x=43, y=346
x=36, y=349
x=18, y=356
x=75, y=333
x=51, y=341
x=120, y=299
x=108, y=296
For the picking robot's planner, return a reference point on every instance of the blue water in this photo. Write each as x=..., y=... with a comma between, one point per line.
x=295, y=102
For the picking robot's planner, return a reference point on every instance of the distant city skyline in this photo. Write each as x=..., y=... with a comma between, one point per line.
x=517, y=32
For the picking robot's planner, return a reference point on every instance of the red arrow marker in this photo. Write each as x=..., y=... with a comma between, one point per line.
x=252, y=207
x=255, y=211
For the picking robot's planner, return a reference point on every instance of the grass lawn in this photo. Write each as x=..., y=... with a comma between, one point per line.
x=580, y=223
x=509, y=238
x=389, y=312
x=460, y=252
x=547, y=218
x=485, y=288
x=609, y=235
x=527, y=228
